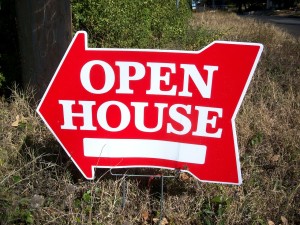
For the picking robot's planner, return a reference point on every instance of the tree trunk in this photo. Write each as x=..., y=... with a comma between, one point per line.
x=44, y=30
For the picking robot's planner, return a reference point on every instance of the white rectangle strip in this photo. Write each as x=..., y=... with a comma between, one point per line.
x=141, y=148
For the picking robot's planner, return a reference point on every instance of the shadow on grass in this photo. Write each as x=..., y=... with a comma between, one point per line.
x=149, y=179
x=49, y=150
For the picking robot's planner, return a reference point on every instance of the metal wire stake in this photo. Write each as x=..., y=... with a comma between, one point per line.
x=124, y=190
x=161, y=198
x=124, y=187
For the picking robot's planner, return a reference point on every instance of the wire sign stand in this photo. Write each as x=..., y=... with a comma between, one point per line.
x=161, y=176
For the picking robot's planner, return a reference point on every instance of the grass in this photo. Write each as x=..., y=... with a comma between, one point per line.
x=39, y=184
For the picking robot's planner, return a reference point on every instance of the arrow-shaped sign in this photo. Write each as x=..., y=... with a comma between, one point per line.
x=151, y=108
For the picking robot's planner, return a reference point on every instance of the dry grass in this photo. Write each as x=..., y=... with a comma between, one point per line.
x=39, y=185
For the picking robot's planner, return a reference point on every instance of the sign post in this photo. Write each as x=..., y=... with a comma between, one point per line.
x=121, y=108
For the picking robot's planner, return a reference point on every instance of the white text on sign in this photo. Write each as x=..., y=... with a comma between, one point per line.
x=206, y=115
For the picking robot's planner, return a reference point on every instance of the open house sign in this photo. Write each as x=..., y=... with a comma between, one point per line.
x=116, y=108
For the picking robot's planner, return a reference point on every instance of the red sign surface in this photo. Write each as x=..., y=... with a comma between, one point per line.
x=116, y=108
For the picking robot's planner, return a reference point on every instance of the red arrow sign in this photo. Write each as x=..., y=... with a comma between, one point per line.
x=151, y=108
